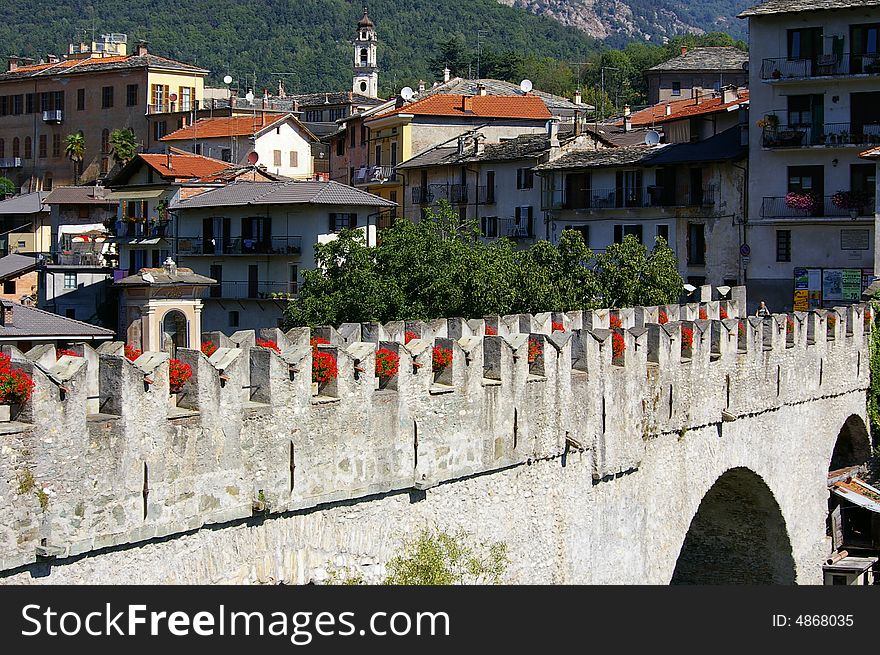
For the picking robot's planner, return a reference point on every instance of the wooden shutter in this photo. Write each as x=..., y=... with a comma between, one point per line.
x=332, y=222
x=519, y=178
x=618, y=233
x=618, y=189
x=530, y=226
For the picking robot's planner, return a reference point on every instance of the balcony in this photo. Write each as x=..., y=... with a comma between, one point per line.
x=171, y=107
x=486, y=195
x=53, y=116
x=785, y=207
x=140, y=229
x=79, y=258
x=10, y=162
x=254, y=290
x=652, y=196
x=238, y=246
x=784, y=68
x=374, y=175
x=830, y=135
x=458, y=194
x=422, y=195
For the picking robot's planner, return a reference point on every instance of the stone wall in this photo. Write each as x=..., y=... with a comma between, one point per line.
x=590, y=468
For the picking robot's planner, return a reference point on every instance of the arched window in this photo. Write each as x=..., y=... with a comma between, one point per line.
x=2, y=148
x=47, y=182
x=174, y=332
x=363, y=55
x=28, y=147
x=16, y=147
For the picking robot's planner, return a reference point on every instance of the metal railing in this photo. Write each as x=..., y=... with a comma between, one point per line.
x=486, y=195
x=140, y=229
x=239, y=246
x=374, y=175
x=829, y=134
x=422, y=195
x=10, y=162
x=652, y=196
x=824, y=207
x=493, y=227
x=172, y=107
x=53, y=116
x=458, y=193
x=82, y=258
x=782, y=68
x=236, y=290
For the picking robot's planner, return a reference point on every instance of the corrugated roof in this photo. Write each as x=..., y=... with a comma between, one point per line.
x=464, y=86
x=516, y=107
x=30, y=322
x=26, y=203
x=709, y=58
x=77, y=195
x=14, y=265
x=183, y=165
x=99, y=64
x=623, y=156
x=284, y=193
x=792, y=6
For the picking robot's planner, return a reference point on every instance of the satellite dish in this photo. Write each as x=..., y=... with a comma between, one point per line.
x=227, y=79
x=745, y=65
x=253, y=158
x=173, y=97
x=526, y=86
x=249, y=96
x=407, y=93
x=652, y=138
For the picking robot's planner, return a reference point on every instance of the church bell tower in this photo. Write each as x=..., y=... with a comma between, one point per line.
x=366, y=69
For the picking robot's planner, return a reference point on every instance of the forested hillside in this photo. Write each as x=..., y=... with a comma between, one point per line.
x=307, y=42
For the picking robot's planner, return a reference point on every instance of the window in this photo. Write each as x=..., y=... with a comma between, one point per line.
x=186, y=96
x=80, y=99
x=621, y=231
x=70, y=280
x=313, y=116
x=160, y=129
x=17, y=104
x=44, y=101
x=340, y=147
x=4, y=105
x=696, y=246
x=523, y=222
x=276, y=158
x=783, y=245
x=352, y=135
x=28, y=148
x=56, y=145
x=577, y=190
x=159, y=97
x=584, y=230
x=800, y=109
x=490, y=187
x=676, y=88
x=363, y=134
x=525, y=178
x=663, y=232
x=394, y=153
x=378, y=161
x=805, y=43
x=16, y=147
x=337, y=113
x=9, y=286
x=226, y=154
x=2, y=148
x=47, y=182
x=489, y=226
x=340, y=221
x=30, y=103
x=106, y=97
x=294, y=159
x=233, y=319
x=43, y=146
x=105, y=141
x=131, y=95
x=293, y=279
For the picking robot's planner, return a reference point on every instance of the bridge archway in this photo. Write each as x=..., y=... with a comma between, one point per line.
x=737, y=536
x=853, y=445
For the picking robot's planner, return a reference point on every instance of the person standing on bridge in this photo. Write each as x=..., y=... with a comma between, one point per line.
x=762, y=310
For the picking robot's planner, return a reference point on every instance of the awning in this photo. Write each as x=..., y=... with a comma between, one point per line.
x=84, y=228
x=859, y=493
x=143, y=194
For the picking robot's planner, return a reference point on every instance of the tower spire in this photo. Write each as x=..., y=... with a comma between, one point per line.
x=366, y=69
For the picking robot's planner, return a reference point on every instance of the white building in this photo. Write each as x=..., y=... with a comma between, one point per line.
x=815, y=105
x=255, y=238
x=279, y=142
x=366, y=66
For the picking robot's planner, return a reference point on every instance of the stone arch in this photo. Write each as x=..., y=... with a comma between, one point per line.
x=737, y=536
x=852, y=446
x=175, y=331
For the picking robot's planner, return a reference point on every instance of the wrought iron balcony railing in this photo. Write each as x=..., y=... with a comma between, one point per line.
x=794, y=206
x=829, y=134
x=652, y=196
x=239, y=246
x=786, y=68
x=255, y=290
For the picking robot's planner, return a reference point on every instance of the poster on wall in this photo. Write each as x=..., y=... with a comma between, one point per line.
x=832, y=284
x=867, y=278
x=815, y=287
x=851, y=284
x=801, y=290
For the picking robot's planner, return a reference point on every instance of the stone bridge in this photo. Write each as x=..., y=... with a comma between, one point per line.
x=697, y=454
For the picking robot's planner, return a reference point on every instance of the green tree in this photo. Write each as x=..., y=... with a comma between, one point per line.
x=7, y=187
x=440, y=558
x=75, y=149
x=629, y=275
x=123, y=145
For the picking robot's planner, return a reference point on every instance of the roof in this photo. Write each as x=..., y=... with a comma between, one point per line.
x=873, y=153
x=859, y=493
x=152, y=277
x=284, y=193
x=26, y=203
x=464, y=86
x=292, y=102
x=685, y=108
x=714, y=58
x=28, y=322
x=100, y=64
x=516, y=107
x=183, y=165
x=233, y=173
x=792, y=6
x=623, y=156
x=229, y=126
x=723, y=146
x=12, y=266
x=77, y=195
x=525, y=146
x=366, y=21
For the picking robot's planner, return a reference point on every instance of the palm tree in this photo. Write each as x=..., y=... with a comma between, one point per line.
x=75, y=149
x=124, y=145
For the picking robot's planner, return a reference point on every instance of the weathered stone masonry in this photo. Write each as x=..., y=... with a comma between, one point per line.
x=589, y=469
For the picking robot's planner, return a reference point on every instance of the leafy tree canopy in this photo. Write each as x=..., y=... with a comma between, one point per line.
x=441, y=267
x=7, y=187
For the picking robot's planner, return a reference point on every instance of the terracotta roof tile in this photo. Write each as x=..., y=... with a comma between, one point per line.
x=98, y=64
x=184, y=165
x=683, y=109
x=524, y=107
x=206, y=128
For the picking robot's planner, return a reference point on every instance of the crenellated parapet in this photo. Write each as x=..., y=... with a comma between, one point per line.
x=114, y=457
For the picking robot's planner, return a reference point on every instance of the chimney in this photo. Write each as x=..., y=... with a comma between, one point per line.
x=168, y=161
x=421, y=86
x=627, y=118
x=668, y=110
x=170, y=267
x=578, y=98
x=12, y=63
x=481, y=89
x=141, y=49
x=684, y=50
x=480, y=144
x=461, y=148
x=447, y=74
x=53, y=59
x=467, y=104
x=6, y=313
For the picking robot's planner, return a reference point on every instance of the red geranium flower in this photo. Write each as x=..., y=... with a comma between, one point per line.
x=387, y=363
x=61, y=352
x=324, y=367
x=409, y=336
x=615, y=321
x=741, y=329
x=618, y=345
x=268, y=343
x=490, y=332
x=832, y=321
x=663, y=318
x=314, y=342
x=557, y=326
x=704, y=315
x=687, y=337
x=15, y=385
x=535, y=350
x=440, y=358
x=789, y=324
x=722, y=312
x=132, y=353
x=178, y=374
x=208, y=348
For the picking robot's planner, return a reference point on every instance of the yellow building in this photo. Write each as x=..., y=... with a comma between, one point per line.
x=94, y=89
